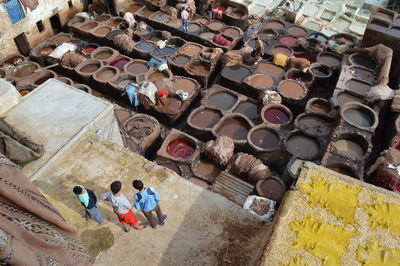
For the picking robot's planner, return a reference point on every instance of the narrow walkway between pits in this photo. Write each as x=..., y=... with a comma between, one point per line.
x=203, y=228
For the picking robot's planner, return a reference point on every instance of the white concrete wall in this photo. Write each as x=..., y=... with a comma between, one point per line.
x=28, y=24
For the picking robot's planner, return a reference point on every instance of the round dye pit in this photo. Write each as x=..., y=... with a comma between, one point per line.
x=181, y=60
x=90, y=68
x=13, y=60
x=114, y=23
x=201, y=20
x=362, y=74
x=235, y=73
x=103, y=55
x=276, y=115
x=105, y=74
x=291, y=89
x=314, y=125
x=207, y=169
x=359, y=117
x=181, y=149
x=89, y=25
x=231, y=32
x=222, y=100
x=215, y=25
x=207, y=36
x=296, y=31
x=270, y=69
x=321, y=71
x=60, y=39
x=102, y=31
x=166, y=51
x=122, y=82
x=25, y=70
x=363, y=60
x=144, y=46
x=119, y=63
x=358, y=87
x=275, y=25
x=236, y=129
x=205, y=118
x=261, y=81
x=175, y=22
x=45, y=51
x=146, y=13
x=137, y=68
x=288, y=41
x=252, y=44
x=184, y=84
x=281, y=49
x=133, y=8
x=321, y=107
x=349, y=148
x=102, y=18
x=299, y=76
x=157, y=75
x=248, y=109
x=140, y=127
x=266, y=139
x=171, y=104
x=271, y=188
x=199, y=69
x=345, y=97
x=160, y=17
x=303, y=146
x=191, y=49
x=194, y=27
x=330, y=60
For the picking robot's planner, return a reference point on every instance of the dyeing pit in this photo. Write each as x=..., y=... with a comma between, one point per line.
x=362, y=60
x=42, y=77
x=45, y=51
x=248, y=109
x=133, y=8
x=345, y=97
x=102, y=31
x=288, y=41
x=13, y=60
x=362, y=74
x=267, y=34
x=320, y=106
x=157, y=75
x=65, y=80
x=281, y=49
x=330, y=60
x=276, y=115
x=215, y=25
x=252, y=44
x=123, y=81
x=102, y=18
x=184, y=84
x=194, y=27
x=89, y=25
x=321, y=71
x=181, y=60
x=2, y=73
x=103, y=55
x=234, y=128
x=235, y=73
x=299, y=76
x=160, y=17
x=90, y=68
x=60, y=39
x=207, y=36
x=291, y=89
x=379, y=25
x=171, y=104
x=270, y=69
x=314, y=125
x=342, y=169
x=271, y=188
x=24, y=70
x=105, y=74
x=231, y=32
x=303, y=146
x=260, y=81
x=146, y=13
x=359, y=117
x=275, y=25
x=349, y=148
x=181, y=149
x=191, y=49
x=207, y=169
x=201, y=20
x=199, y=69
x=119, y=63
x=140, y=127
x=115, y=22
x=265, y=139
x=358, y=87
x=205, y=118
x=175, y=22
x=296, y=31
x=144, y=46
x=136, y=68
x=222, y=100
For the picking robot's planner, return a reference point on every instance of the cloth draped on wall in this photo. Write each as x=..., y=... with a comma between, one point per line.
x=32, y=232
x=14, y=10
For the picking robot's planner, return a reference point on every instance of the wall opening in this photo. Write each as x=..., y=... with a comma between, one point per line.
x=70, y=4
x=56, y=23
x=22, y=43
x=40, y=25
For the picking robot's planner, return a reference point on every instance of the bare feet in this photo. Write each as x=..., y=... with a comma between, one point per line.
x=126, y=227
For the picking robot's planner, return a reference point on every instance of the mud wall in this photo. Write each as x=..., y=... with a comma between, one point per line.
x=27, y=25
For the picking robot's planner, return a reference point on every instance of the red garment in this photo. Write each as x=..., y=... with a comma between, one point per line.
x=128, y=217
x=161, y=93
x=221, y=40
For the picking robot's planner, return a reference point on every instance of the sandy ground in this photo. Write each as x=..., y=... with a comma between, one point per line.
x=203, y=228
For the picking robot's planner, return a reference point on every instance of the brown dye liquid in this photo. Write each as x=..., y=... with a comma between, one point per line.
x=270, y=70
x=114, y=23
x=186, y=85
x=235, y=73
x=103, y=31
x=341, y=171
x=261, y=81
x=23, y=93
x=140, y=128
x=102, y=18
x=172, y=104
x=89, y=68
x=193, y=27
x=207, y=35
x=157, y=75
x=320, y=108
x=181, y=60
x=276, y=25
x=358, y=87
x=215, y=25
x=231, y=32
x=41, y=80
x=45, y=51
x=124, y=82
x=281, y=50
x=175, y=22
x=147, y=13
x=205, y=118
x=329, y=60
x=201, y=20
x=234, y=129
x=60, y=39
x=222, y=100
x=200, y=69
x=272, y=189
x=291, y=89
x=25, y=70
x=349, y=148
x=103, y=55
x=133, y=8
x=207, y=169
x=265, y=139
x=248, y=109
x=315, y=126
x=345, y=98
x=358, y=117
x=137, y=68
x=296, y=31
x=106, y=74
x=302, y=146
x=89, y=26
x=191, y=50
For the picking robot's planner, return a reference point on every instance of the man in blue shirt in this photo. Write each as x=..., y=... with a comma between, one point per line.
x=88, y=199
x=147, y=200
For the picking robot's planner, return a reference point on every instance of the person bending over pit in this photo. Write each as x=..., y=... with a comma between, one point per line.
x=88, y=199
x=147, y=200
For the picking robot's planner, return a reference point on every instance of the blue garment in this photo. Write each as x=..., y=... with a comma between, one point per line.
x=185, y=26
x=92, y=199
x=156, y=62
x=132, y=94
x=94, y=213
x=14, y=10
x=146, y=200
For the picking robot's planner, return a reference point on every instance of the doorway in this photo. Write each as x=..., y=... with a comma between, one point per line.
x=56, y=23
x=22, y=43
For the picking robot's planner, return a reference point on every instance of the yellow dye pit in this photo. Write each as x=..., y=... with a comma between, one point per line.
x=373, y=254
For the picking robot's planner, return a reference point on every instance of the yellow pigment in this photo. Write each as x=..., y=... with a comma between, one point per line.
x=383, y=215
x=340, y=199
x=374, y=254
x=325, y=241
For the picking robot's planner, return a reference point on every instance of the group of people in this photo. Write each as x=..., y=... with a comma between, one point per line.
x=145, y=200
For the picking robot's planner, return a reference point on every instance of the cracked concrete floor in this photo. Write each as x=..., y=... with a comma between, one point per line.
x=203, y=228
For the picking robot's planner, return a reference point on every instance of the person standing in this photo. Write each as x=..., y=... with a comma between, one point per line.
x=88, y=199
x=147, y=200
x=122, y=207
x=185, y=19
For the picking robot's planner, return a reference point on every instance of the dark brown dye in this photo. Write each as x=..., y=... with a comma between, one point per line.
x=344, y=97
x=300, y=76
x=320, y=72
x=114, y=23
x=342, y=171
x=102, y=18
x=261, y=81
x=157, y=75
x=181, y=149
x=90, y=68
x=140, y=128
x=291, y=89
x=276, y=116
x=89, y=26
x=329, y=60
x=102, y=31
x=214, y=25
x=147, y=13
x=181, y=60
x=270, y=70
x=314, y=126
x=265, y=139
x=25, y=70
x=236, y=73
x=133, y=8
x=191, y=49
x=119, y=63
x=248, y=109
x=137, y=68
x=106, y=74
x=296, y=31
x=231, y=32
x=175, y=22
x=41, y=80
x=172, y=104
x=275, y=25
x=358, y=117
x=103, y=55
x=358, y=86
x=320, y=107
x=272, y=189
x=364, y=60
x=205, y=118
x=303, y=146
x=207, y=169
x=234, y=129
x=200, y=69
x=45, y=51
x=186, y=85
x=222, y=100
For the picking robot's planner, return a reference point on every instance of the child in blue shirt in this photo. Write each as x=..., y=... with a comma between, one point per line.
x=147, y=200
